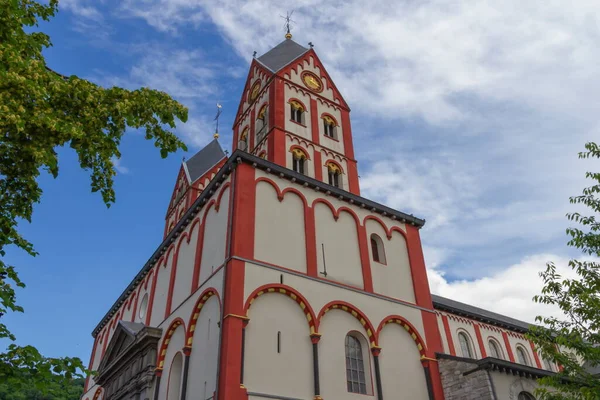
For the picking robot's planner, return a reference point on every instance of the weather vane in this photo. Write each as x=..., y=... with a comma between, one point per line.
x=219, y=108
x=288, y=22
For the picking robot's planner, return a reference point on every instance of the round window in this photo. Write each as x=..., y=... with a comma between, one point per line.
x=143, y=306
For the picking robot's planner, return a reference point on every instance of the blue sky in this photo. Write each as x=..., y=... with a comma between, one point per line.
x=468, y=114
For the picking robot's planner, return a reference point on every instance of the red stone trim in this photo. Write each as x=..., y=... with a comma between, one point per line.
x=202, y=299
x=97, y=394
x=511, y=356
x=480, y=341
x=412, y=331
x=448, y=332
x=165, y=342
x=289, y=292
x=355, y=312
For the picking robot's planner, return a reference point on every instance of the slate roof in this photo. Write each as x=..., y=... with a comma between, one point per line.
x=132, y=327
x=456, y=307
x=204, y=160
x=282, y=54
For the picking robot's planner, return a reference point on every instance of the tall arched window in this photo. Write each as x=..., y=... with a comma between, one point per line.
x=377, y=249
x=243, y=143
x=465, y=345
x=174, y=388
x=522, y=356
x=329, y=127
x=548, y=365
x=495, y=349
x=297, y=111
x=333, y=174
x=355, y=366
x=261, y=124
x=525, y=396
x=298, y=160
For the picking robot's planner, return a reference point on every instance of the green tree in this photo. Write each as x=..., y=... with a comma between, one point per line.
x=577, y=334
x=41, y=111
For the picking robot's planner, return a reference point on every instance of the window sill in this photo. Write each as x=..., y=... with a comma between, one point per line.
x=298, y=123
x=331, y=138
x=380, y=263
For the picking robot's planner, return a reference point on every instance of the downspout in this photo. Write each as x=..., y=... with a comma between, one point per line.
x=227, y=258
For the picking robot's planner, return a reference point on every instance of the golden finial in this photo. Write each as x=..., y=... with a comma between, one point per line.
x=219, y=107
x=288, y=22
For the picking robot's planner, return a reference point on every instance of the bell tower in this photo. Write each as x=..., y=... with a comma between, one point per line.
x=292, y=114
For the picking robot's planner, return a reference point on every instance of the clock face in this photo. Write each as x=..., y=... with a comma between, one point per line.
x=312, y=81
x=254, y=91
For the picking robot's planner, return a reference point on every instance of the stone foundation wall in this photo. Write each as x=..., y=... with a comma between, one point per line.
x=475, y=386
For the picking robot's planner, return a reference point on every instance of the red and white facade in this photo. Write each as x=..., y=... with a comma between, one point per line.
x=239, y=288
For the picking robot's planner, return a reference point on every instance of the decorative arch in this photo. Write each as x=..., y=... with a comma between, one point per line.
x=165, y=343
x=262, y=154
x=330, y=119
x=244, y=134
x=355, y=312
x=334, y=164
x=281, y=193
x=300, y=141
x=207, y=294
x=292, y=294
x=97, y=394
x=295, y=149
x=297, y=103
x=412, y=331
x=336, y=213
x=262, y=111
x=469, y=340
x=491, y=339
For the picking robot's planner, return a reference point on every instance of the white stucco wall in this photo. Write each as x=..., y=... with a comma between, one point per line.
x=162, y=289
x=509, y=386
x=335, y=325
x=289, y=372
x=401, y=369
x=279, y=229
x=185, y=266
x=215, y=237
x=393, y=278
x=175, y=346
x=458, y=326
x=202, y=377
x=340, y=240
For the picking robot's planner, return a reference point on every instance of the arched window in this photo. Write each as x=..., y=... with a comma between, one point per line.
x=465, y=345
x=329, y=127
x=355, y=366
x=525, y=396
x=548, y=365
x=522, y=356
x=243, y=144
x=261, y=124
x=298, y=160
x=263, y=155
x=495, y=349
x=333, y=174
x=377, y=249
x=297, y=111
x=174, y=388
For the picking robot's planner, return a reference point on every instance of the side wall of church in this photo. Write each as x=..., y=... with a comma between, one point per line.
x=191, y=262
x=480, y=335
x=278, y=356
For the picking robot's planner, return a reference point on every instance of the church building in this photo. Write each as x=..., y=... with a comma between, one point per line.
x=276, y=279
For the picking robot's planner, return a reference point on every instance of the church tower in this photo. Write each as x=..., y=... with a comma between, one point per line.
x=275, y=278
x=292, y=114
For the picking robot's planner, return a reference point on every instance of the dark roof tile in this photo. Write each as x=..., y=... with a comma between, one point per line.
x=282, y=54
x=204, y=160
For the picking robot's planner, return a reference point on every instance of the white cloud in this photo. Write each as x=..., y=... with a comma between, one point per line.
x=508, y=292
x=467, y=113
x=119, y=166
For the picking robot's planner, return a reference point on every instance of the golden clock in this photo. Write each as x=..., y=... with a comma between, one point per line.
x=312, y=81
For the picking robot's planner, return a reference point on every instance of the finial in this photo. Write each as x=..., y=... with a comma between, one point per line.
x=288, y=22
x=219, y=107
x=311, y=44
x=254, y=55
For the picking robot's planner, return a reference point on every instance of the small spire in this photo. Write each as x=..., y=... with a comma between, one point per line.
x=219, y=107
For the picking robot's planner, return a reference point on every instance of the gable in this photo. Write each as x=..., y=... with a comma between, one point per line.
x=123, y=337
x=310, y=62
x=257, y=72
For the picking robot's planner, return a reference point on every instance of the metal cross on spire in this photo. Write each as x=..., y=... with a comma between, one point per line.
x=219, y=108
x=288, y=24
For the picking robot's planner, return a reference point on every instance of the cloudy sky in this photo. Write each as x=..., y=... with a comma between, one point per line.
x=469, y=114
